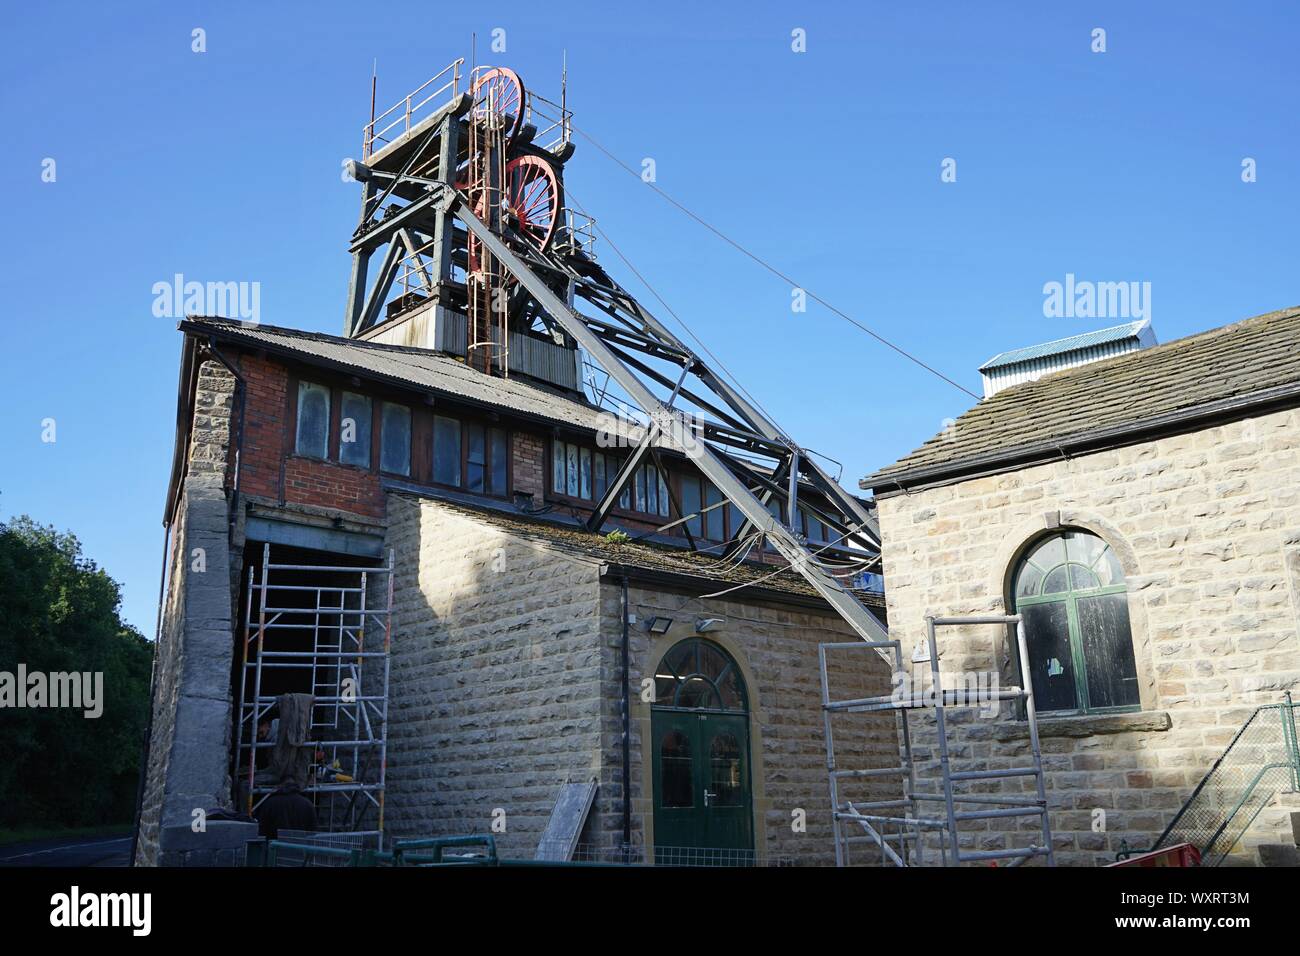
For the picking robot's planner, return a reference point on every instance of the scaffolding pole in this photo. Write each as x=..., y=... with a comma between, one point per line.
x=324, y=640
x=910, y=828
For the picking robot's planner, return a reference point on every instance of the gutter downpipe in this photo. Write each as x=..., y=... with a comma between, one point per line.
x=625, y=703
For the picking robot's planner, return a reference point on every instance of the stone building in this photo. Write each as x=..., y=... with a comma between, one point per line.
x=1143, y=513
x=518, y=638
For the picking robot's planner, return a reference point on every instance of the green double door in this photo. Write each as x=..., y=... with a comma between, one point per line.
x=702, y=797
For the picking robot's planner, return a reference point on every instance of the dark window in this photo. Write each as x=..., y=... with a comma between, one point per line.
x=725, y=772
x=395, y=439
x=1070, y=589
x=446, y=451
x=499, y=456
x=354, y=429
x=313, y=420
x=475, y=457
x=675, y=771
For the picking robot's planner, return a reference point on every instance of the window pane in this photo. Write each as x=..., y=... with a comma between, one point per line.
x=737, y=518
x=599, y=485
x=651, y=490
x=675, y=771
x=1028, y=580
x=1050, y=553
x=1108, y=650
x=395, y=440
x=571, y=470
x=1084, y=548
x=584, y=464
x=557, y=467
x=1081, y=579
x=640, y=489
x=624, y=496
x=313, y=420
x=664, y=500
x=354, y=430
x=691, y=504
x=1057, y=582
x=446, y=451
x=725, y=772
x=500, y=460
x=697, y=692
x=713, y=520
x=475, y=457
x=1047, y=633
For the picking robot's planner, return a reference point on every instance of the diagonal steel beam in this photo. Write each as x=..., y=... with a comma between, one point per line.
x=866, y=624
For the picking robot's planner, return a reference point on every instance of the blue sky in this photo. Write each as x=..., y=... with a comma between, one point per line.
x=224, y=166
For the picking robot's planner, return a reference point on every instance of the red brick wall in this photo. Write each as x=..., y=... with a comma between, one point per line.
x=529, y=466
x=269, y=468
x=266, y=416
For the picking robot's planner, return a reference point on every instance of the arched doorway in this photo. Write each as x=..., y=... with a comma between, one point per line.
x=703, y=799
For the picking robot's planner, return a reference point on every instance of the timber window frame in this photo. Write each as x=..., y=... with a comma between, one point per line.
x=1070, y=589
x=579, y=474
x=471, y=455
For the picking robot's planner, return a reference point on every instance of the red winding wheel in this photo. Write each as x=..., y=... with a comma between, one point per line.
x=533, y=198
x=500, y=92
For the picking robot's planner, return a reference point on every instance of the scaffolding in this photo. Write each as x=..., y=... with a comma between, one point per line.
x=305, y=629
x=898, y=827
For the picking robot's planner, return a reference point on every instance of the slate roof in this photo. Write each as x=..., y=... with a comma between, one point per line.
x=649, y=556
x=406, y=366
x=1071, y=343
x=1097, y=405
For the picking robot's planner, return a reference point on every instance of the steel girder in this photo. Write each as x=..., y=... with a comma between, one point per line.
x=674, y=428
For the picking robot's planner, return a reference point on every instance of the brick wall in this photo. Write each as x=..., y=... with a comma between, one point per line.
x=529, y=466
x=1205, y=525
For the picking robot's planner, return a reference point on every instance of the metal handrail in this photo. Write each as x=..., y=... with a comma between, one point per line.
x=370, y=136
x=1290, y=762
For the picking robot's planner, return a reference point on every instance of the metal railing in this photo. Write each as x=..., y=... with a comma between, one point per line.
x=554, y=123
x=407, y=112
x=1262, y=759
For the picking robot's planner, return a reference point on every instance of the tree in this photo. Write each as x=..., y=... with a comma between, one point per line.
x=59, y=612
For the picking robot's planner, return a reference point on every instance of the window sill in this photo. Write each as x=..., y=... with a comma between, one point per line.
x=1086, y=725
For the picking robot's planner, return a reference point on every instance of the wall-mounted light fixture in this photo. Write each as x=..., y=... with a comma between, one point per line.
x=659, y=625
x=706, y=624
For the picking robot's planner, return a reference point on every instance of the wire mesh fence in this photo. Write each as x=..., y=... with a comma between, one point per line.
x=1262, y=760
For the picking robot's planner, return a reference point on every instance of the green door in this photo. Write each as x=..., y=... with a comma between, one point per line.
x=703, y=808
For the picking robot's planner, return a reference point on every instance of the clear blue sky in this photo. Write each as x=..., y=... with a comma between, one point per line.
x=224, y=166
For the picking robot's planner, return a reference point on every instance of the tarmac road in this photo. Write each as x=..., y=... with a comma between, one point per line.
x=111, y=850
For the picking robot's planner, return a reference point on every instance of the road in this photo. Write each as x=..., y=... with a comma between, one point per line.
x=112, y=850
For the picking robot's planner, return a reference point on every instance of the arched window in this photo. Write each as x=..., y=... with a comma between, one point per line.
x=698, y=675
x=1070, y=589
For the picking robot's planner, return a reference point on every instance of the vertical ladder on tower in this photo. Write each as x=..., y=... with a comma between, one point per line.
x=898, y=826
x=311, y=629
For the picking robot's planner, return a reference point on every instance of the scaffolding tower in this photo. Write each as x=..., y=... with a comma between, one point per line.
x=308, y=625
x=898, y=827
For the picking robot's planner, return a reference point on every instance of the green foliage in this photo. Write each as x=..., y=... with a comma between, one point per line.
x=617, y=537
x=59, y=612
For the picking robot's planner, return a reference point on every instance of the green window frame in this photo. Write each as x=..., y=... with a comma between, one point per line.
x=696, y=674
x=1070, y=590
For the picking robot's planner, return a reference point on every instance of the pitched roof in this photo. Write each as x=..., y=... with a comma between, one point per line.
x=1071, y=343
x=1108, y=402
x=405, y=366
x=710, y=569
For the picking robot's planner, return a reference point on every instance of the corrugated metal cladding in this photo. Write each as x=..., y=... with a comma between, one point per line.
x=1005, y=376
x=528, y=356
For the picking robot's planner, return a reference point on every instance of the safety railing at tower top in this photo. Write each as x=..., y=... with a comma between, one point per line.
x=553, y=122
x=406, y=113
x=1262, y=760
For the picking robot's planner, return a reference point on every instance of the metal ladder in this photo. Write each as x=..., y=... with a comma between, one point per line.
x=897, y=827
